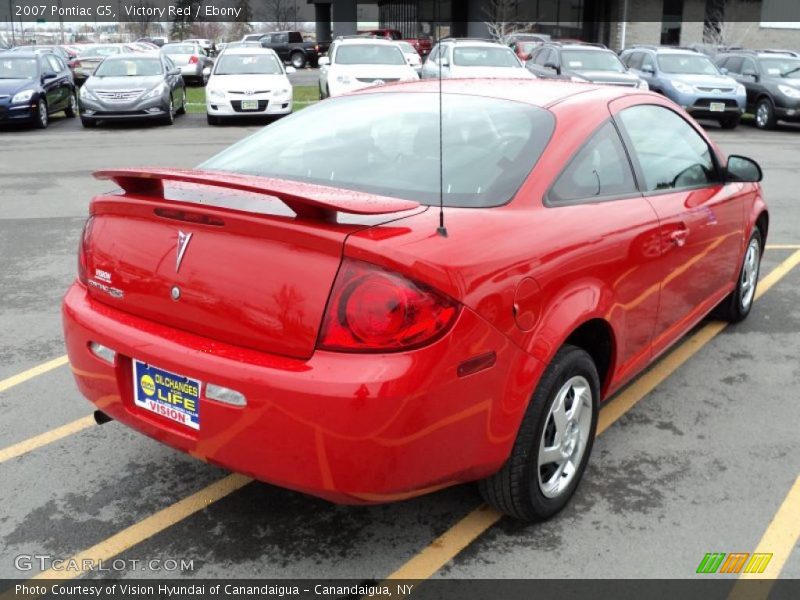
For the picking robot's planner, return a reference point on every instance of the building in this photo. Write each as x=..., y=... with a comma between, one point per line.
x=616, y=23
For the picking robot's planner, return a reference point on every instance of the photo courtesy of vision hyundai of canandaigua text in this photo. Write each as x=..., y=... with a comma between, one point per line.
x=288, y=309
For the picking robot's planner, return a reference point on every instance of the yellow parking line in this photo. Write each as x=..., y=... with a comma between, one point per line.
x=33, y=372
x=781, y=535
x=437, y=554
x=155, y=523
x=45, y=438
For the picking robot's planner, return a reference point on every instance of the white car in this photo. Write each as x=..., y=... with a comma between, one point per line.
x=247, y=82
x=356, y=63
x=412, y=56
x=467, y=58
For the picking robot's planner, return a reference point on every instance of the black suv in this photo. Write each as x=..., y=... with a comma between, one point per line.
x=772, y=81
x=581, y=62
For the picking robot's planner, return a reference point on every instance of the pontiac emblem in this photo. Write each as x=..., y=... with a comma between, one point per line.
x=183, y=242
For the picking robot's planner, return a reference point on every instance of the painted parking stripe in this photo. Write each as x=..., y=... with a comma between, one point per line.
x=155, y=523
x=421, y=566
x=45, y=438
x=10, y=382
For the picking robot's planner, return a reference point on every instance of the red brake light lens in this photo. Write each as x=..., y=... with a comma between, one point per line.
x=83, y=245
x=375, y=310
x=193, y=60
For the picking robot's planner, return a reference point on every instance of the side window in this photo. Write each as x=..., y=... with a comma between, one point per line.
x=670, y=153
x=280, y=38
x=542, y=56
x=434, y=55
x=599, y=169
x=52, y=63
x=749, y=67
x=734, y=64
x=647, y=61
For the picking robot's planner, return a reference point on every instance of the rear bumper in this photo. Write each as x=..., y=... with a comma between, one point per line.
x=352, y=428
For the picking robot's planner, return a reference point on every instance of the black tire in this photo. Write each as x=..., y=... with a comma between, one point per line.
x=738, y=304
x=42, y=116
x=765, y=114
x=515, y=489
x=212, y=120
x=88, y=123
x=169, y=118
x=182, y=108
x=730, y=122
x=72, y=108
x=298, y=60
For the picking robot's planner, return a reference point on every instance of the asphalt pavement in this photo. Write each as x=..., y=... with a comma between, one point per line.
x=699, y=464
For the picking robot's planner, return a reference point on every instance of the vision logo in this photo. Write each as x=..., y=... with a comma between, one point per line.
x=736, y=562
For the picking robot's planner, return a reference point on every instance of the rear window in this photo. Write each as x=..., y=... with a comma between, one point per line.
x=100, y=51
x=178, y=49
x=388, y=144
x=370, y=54
x=592, y=60
x=484, y=56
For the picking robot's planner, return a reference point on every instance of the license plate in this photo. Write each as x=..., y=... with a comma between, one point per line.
x=249, y=104
x=717, y=107
x=172, y=396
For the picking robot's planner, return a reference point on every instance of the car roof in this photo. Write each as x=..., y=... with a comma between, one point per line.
x=24, y=54
x=536, y=92
x=249, y=50
x=360, y=41
x=128, y=55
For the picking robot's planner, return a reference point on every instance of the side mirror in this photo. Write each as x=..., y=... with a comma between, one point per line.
x=445, y=63
x=290, y=70
x=648, y=70
x=751, y=74
x=324, y=61
x=723, y=70
x=741, y=168
x=553, y=66
x=49, y=75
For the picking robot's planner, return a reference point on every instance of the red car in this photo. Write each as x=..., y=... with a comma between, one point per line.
x=422, y=45
x=294, y=310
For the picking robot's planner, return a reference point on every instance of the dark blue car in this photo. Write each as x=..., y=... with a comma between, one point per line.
x=33, y=86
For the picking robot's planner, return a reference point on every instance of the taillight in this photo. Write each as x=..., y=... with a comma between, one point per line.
x=74, y=63
x=192, y=60
x=83, y=245
x=375, y=310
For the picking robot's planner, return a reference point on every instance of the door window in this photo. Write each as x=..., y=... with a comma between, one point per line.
x=599, y=170
x=734, y=64
x=670, y=153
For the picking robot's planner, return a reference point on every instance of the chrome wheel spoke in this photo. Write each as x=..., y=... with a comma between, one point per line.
x=564, y=436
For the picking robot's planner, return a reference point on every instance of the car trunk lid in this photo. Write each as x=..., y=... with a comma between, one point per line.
x=250, y=261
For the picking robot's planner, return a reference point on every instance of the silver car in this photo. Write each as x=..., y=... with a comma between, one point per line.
x=193, y=61
x=133, y=86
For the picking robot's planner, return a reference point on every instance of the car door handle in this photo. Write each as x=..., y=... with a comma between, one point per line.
x=678, y=237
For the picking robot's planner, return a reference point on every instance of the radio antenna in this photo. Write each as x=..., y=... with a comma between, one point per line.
x=441, y=230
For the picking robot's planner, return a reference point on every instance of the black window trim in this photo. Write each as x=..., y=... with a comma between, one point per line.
x=549, y=203
x=637, y=168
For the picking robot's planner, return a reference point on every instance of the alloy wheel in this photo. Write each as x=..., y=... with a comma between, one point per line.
x=750, y=273
x=565, y=436
x=762, y=114
x=43, y=117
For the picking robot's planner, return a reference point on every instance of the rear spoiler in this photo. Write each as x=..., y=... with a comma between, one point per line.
x=306, y=200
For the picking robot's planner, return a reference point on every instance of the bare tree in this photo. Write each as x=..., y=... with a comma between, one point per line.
x=241, y=27
x=142, y=27
x=281, y=13
x=719, y=33
x=210, y=30
x=501, y=19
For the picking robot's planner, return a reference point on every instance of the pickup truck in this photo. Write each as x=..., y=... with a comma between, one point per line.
x=423, y=46
x=291, y=48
